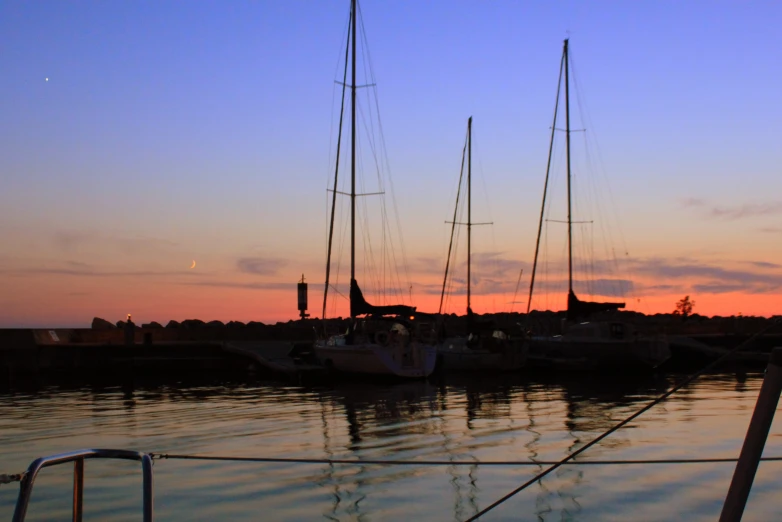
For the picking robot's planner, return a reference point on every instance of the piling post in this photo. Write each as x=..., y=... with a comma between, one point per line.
x=755, y=440
x=78, y=489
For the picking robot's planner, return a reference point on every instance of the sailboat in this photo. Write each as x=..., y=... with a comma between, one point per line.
x=583, y=344
x=484, y=347
x=380, y=340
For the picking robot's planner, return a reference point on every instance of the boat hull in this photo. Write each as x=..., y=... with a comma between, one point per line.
x=561, y=352
x=413, y=362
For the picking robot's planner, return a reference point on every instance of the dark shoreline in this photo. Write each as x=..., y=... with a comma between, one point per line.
x=194, y=346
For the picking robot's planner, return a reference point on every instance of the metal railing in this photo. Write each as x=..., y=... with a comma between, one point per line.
x=78, y=458
x=755, y=441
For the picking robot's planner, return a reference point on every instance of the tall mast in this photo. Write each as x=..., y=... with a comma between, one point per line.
x=569, y=215
x=469, y=205
x=353, y=151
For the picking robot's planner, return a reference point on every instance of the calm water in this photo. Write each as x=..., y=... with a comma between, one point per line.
x=495, y=419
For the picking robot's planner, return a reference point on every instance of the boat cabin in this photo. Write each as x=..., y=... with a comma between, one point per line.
x=600, y=330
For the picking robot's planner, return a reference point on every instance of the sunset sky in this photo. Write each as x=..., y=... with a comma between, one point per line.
x=138, y=137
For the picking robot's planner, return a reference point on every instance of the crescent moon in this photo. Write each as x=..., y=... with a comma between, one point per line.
x=193, y=265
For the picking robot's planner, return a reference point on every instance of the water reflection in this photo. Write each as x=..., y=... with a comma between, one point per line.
x=381, y=422
x=376, y=417
x=498, y=418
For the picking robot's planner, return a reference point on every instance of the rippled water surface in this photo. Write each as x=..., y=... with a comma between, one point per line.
x=492, y=419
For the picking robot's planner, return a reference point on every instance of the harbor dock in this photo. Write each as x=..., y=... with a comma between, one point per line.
x=26, y=353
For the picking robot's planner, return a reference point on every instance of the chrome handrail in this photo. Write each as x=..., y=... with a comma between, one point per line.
x=78, y=457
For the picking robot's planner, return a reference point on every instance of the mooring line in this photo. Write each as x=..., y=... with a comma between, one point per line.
x=12, y=477
x=283, y=460
x=643, y=410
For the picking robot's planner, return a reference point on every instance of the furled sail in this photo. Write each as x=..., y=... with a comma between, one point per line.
x=577, y=309
x=359, y=305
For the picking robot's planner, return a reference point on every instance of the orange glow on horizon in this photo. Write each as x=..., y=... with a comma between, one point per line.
x=56, y=301
x=280, y=306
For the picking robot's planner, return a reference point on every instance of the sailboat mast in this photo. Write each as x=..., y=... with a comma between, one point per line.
x=353, y=150
x=567, y=141
x=469, y=206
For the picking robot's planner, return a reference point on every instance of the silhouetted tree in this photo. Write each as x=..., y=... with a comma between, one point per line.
x=684, y=306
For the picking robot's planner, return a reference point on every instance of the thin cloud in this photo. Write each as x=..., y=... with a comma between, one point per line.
x=709, y=277
x=427, y=266
x=693, y=202
x=251, y=286
x=479, y=286
x=600, y=287
x=671, y=269
x=748, y=210
x=72, y=240
x=718, y=288
x=484, y=264
x=79, y=265
x=656, y=275
x=260, y=265
x=734, y=212
x=90, y=272
x=494, y=265
x=763, y=264
x=659, y=289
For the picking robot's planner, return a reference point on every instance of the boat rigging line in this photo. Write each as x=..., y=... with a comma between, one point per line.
x=453, y=226
x=336, y=173
x=516, y=292
x=385, y=163
x=545, y=188
x=381, y=462
x=357, y=86
x=469, y=223
x=658, y=400
x=18, y=477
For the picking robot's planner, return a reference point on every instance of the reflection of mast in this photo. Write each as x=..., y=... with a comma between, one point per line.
x=566, y=472
x=397, y=406
x=453, y=471
x=473, y=405
x=541, y=505
x=494, y=401
x=329, y=469
x=354, y=431
x=354, y=427
x=442, y=405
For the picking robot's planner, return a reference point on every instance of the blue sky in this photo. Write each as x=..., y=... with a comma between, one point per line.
x=209, y=126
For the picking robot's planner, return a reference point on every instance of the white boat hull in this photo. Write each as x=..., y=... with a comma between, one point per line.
x=414, y=361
